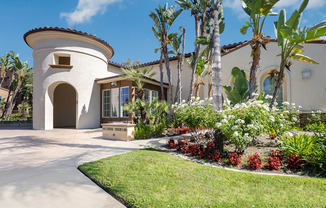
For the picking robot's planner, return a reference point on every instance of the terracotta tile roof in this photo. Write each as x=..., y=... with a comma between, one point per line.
x=226, y=49
x=68, y=30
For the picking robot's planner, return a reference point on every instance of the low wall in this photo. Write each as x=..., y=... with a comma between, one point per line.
x=120, y=131
x=24, y=124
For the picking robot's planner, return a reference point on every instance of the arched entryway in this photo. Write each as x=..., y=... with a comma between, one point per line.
x=64, y=106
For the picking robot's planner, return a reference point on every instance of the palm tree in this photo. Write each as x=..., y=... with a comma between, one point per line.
x=176, y=46
x=201, y=72
x=258, y=10
x=216, y=57
x=5, y=65
x=158, y=35
x=137, y=76
x=199, y=9
x=163, y=19
x=290, y=38
x=20, y=68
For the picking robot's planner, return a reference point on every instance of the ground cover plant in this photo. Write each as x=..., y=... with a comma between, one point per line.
x=150, y=178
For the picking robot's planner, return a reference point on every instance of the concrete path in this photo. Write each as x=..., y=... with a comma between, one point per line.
x=39, y=168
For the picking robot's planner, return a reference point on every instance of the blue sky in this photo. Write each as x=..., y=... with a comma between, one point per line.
x=124, y=24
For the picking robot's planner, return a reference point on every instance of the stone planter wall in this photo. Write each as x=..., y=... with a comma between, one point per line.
x=16, y=123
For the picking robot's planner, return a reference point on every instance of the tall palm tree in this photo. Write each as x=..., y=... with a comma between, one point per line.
x=163, y=19
x=216, y=57
x=257, y=10
x=158, y=36
x=199, y=9
x=178, y=46
x=290, y=38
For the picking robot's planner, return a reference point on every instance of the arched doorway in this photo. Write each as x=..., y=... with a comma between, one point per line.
x=64, y=106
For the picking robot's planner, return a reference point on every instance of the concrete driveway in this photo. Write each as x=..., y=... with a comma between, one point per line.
x=39, y=168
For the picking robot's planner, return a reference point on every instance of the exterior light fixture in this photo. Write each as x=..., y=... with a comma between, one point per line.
x=113, y=83
x=306, y=74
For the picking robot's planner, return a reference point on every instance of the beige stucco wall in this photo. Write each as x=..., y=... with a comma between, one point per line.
x=309, y=93
x=89, y=60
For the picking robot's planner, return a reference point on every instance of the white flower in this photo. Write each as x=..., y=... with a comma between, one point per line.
x=210, y=98
x=234, y=127
x=286, y=103
x=243, y=105
x=272, y=118
x=299, y=106
x=281, y=115
x=173, y=106
x=183, y=101
x=237, y=105
x=246, y=134
x=255, y=94
x=318, y=111
x=286, y=112
x=281, y=125
x=275, y=103
x=295, y=119
x=293, y=104
x=192, y=98
x=218, y=125
x=250, y=125
x=235, y=134
x=224, y=121
x=231, y=116
x=268, y=97
x=197, y=98
x=239, y=121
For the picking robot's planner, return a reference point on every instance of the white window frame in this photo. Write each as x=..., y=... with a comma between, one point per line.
x=121, y=110
x=103, y=103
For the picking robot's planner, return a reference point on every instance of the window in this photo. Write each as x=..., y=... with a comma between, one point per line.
x=147, y=95
x=269, y=88
x=64, y=60
x=106, y=103
x=154, y=94
x=115, y=102
x=124, y=98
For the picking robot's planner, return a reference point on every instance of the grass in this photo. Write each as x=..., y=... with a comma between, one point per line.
x=150, y=178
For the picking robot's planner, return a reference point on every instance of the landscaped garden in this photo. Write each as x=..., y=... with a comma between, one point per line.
x=151, y=178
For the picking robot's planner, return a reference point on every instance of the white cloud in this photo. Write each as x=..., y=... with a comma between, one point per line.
x=86, y=9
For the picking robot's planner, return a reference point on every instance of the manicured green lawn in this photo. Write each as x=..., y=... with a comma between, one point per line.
x=150, y=178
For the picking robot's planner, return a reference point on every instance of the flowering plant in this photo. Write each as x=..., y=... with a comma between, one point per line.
x=235, y=159
x=295, y=162
x=273, y=163
x=254, y=161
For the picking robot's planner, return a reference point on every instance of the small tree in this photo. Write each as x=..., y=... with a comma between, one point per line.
x=290, y=38
x=137, y=76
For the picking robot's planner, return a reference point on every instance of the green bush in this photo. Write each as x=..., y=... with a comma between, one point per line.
x=299, y=145
x=319, y=157
x=144, y=131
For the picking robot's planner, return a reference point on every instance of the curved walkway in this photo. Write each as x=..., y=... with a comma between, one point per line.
x=39, y=168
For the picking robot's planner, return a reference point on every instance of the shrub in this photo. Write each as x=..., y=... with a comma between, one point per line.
x=299, y=145
x=295, y=162
x=144, y=131
x=193, y=150
x=202, y=153
x=273, y=163
x=185, y=149
x=235, y=159
x=320, y=157
x=276, y=153
x=254, y=161
x=171, y=143
x=216, y=156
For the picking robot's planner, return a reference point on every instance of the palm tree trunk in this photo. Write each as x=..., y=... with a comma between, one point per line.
x=161, y=74
x=280, y=81
x=177, y=98
x=196, y=56
x=167, y=64
x=217, y=66
x=253, y=70
x=11, y=104
x=197, y=90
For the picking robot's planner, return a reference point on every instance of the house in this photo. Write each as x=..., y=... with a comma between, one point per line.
x=76, y=85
